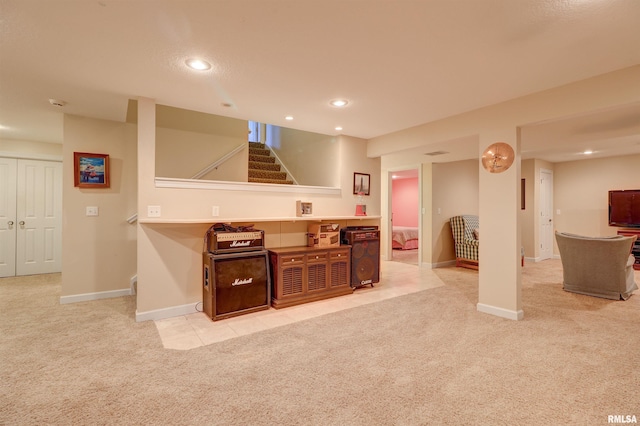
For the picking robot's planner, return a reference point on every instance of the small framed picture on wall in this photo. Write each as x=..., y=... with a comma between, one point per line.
x=90, y=170
x=361, y=183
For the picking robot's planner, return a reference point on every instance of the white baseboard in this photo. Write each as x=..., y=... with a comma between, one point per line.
x=174, y=311
x=95, y=296
x=539, y=259
x=500, y=312
x=441, y=264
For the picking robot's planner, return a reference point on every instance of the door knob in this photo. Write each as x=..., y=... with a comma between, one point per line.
x=10, y=223
x=21, y=223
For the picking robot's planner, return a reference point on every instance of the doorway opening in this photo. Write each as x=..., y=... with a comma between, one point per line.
x=405, y=216
x=546, y=214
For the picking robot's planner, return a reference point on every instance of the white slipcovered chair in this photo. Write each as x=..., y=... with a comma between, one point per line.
x=597, y=266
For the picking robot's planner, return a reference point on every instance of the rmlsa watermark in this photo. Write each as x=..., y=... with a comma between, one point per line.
x=620, y=418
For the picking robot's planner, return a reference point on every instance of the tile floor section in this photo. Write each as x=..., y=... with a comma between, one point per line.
x=195, y=330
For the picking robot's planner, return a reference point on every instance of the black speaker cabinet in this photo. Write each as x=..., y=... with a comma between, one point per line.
x=235, y=283
x=365, y=255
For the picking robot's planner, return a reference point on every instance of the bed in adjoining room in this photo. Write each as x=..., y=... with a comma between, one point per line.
x=405, y=238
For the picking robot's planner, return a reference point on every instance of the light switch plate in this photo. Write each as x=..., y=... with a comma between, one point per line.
x=215, y=211
x=92, y=211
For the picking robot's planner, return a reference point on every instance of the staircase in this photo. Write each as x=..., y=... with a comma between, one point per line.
x=263, y=167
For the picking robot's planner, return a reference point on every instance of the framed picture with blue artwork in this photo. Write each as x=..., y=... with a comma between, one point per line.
x=90, y=170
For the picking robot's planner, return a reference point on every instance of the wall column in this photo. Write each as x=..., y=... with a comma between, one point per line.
x=146, y=186
x=500, y=277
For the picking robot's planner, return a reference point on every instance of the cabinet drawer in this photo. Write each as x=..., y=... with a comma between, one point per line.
x=292, y=259
x=317, y=257
x=339, y=255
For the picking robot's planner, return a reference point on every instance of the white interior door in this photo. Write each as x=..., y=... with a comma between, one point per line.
x=546, y=214
x=39, y=215
x=8, y=224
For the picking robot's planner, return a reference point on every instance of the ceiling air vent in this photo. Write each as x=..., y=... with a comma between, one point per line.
x=434, y=153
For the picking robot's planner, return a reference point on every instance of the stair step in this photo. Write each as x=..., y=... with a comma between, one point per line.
x=261, y=180
x=260, y=165
x=263, y=167
x=261, y=159
x=258, y=151
x=267, y=174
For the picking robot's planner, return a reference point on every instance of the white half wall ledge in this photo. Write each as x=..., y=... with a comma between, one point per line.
x=161, y=182
x=501, y=312
x=164, y=313
x=86, y=297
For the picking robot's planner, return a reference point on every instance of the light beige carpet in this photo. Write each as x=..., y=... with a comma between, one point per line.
x=420, y=359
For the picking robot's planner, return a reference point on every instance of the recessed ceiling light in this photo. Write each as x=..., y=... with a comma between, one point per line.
x=339, y=103
x=338, y=128
x=289, y=117
x=198, y=64
x=588, y=152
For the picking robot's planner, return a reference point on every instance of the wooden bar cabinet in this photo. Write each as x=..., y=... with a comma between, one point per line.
x=305, y=274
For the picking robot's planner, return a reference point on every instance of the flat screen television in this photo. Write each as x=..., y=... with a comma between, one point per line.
x=624, y=208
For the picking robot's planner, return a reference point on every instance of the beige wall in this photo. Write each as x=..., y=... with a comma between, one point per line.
x=99, y=253
x=580, y=193
x=189, y=141
x=311, y=158
x=455, y=192
x=12, y=147
x=182, y=154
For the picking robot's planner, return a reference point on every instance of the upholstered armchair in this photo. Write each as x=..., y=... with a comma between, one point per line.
x=465, y=230
x=598, y=266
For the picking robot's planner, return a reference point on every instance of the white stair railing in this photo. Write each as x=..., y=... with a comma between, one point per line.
x=219, y=162
x=282, y=166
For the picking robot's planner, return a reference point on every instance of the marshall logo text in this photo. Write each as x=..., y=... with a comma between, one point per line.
x=238, y=281
x=240, y=244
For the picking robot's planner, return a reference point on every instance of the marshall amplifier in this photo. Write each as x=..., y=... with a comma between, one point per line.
x=235, y=284
x=365, y=254
x=223, y=238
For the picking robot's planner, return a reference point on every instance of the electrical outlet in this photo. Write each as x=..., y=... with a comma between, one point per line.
x=215, y=211
x=153, y=211
x=92, y=211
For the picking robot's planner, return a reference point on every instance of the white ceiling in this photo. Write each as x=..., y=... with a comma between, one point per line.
x=400, y=63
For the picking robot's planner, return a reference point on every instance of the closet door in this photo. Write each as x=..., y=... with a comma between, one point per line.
x=39, y=217
x=8, y=222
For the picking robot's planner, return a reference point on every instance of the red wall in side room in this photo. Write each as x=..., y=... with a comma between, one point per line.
x=404, y=202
